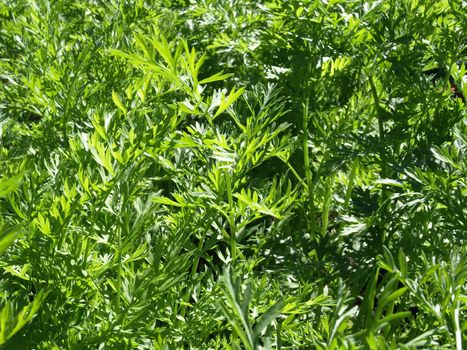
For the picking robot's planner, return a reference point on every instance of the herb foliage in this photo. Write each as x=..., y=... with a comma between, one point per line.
x=233, y=174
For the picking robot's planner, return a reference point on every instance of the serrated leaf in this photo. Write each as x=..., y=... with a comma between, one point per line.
x=390, y=182
x=265, y=319
x=216, y=77
x=392, y=318
x=226, y=103
x=10, y=185
x=167, y=201
x=8, y=237
x=118, y=102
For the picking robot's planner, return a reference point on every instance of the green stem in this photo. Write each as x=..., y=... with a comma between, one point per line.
x=119, y=267
x=294, y=172
x=326, y=206
x=194, y=267
x=350, y=186
x=309, y=176
x=379, y=115
x=233, y=231
x=457, y=327
x=384, y=171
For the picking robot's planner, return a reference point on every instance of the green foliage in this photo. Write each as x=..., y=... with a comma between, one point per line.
x=233, y=174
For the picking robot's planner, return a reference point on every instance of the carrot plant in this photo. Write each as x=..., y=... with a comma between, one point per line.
x=233, y=174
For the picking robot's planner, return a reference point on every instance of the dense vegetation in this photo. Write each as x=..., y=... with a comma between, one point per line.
x=243, y=174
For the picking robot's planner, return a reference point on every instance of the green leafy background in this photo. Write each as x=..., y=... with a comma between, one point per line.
x=222, y=174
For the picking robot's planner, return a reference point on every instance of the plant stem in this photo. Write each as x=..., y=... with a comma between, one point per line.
x=457, y=328
x=119, y=268
x=194, y=267
x=379, y=115
x=309, y=176
x=233, y=231
x=384, y=171
x=350, y=186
